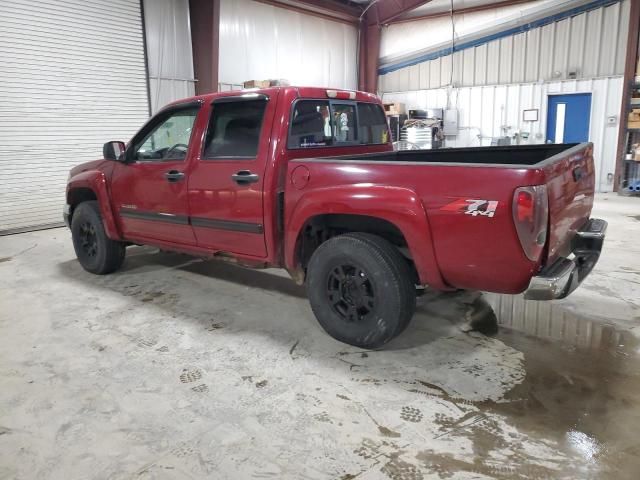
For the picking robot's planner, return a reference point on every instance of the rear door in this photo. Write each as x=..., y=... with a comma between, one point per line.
x=226, y=184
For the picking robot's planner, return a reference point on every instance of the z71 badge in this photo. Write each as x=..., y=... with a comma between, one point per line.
x=470, y=206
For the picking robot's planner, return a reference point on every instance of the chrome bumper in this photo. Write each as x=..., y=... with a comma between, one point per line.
x=66, y=214
x=563, y=276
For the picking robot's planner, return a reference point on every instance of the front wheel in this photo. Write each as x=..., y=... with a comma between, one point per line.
x=360, y=289
x=96, y=252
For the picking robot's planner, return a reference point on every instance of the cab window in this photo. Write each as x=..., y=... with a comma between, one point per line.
x=325, y=123
x=372, y=124
x=169, y=140
x=311, y=125
x=234, y=129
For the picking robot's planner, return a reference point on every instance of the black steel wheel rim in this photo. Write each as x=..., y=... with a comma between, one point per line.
x=88, y=239
x=350, y=293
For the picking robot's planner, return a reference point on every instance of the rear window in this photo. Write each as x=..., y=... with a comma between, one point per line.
x=372, y=123
x=323, y=123
x=234, y=129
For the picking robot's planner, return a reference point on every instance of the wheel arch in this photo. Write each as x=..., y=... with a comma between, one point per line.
x=394, y=213
x=92, y=185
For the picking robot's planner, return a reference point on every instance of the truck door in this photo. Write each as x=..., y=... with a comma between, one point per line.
x=226, y=184
x=149, y=192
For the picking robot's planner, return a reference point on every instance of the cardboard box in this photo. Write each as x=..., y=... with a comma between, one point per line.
x=257, y=84
x=279, y=82
x=396, y=108
x=633, y=124
x=634, y=115
x=272, y=82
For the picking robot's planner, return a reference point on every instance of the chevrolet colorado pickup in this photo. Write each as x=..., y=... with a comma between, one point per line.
x=307, y=179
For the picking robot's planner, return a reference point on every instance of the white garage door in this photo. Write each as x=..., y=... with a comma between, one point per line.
x=72, y=76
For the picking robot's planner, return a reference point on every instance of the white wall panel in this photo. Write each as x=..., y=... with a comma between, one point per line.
x=260, y=41
x=484, y=110
x=169, y=53
x=590, y=44
x=72, y=76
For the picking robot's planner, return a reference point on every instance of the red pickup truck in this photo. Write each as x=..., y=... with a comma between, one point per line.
x=307, y=179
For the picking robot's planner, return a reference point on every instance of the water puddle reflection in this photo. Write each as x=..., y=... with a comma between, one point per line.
x=554, y=321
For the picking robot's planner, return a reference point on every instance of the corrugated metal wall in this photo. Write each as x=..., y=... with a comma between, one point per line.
x=484, y=110
x=591, y=44
x=259, y=41
x=72, y=76
x=168, y=51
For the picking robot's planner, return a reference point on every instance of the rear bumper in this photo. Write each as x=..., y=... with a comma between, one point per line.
x=563, y=276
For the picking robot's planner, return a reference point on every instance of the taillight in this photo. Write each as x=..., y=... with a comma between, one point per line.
x=531, y=216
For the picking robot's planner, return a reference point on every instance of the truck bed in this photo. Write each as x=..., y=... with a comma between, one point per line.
x=529, y=155
x=472, y=252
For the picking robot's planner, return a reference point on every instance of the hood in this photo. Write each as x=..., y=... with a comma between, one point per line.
x=101, y=165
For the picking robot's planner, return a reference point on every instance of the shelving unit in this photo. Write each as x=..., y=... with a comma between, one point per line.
x=631, y=168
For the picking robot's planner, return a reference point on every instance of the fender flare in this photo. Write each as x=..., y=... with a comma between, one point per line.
x=397, y=205
x=96, y=181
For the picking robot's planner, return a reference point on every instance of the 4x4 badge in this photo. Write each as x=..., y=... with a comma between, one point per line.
x=471, y=206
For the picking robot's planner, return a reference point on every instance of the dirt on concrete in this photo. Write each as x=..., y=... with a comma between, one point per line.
x=179, y=368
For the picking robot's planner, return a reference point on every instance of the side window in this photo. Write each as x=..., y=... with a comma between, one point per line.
x=170, y=139
x=372, y=123
x=311, y=125
x=234, y=129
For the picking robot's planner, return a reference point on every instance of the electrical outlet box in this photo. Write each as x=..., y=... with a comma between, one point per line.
x=450, y=122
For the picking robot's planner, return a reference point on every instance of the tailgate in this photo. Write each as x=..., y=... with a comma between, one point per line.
x=570, y=180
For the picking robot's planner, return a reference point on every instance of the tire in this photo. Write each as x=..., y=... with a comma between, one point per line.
x=360, y=289
x=96, y=252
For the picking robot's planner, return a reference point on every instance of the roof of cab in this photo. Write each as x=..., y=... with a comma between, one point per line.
x=302, y=92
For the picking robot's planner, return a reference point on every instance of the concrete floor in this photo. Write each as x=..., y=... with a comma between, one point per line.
x=179, y=368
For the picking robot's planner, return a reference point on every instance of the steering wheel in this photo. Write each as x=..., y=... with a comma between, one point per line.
x=178, y=147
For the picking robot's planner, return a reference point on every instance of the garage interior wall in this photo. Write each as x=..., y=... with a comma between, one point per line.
x=169, y=54
x=494, y=81
x=260, y=41
x=72, y=77
x=485, y=110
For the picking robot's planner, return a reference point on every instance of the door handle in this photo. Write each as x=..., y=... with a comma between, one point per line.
x=173, y=176
x=245, y=177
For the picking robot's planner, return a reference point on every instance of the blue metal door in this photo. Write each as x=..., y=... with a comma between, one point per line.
x=568, y=118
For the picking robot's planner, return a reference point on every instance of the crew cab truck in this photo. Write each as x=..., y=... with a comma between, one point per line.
x=307, y=179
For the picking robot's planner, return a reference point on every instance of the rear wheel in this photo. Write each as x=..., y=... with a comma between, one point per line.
x=96, y=252
x=360, y=289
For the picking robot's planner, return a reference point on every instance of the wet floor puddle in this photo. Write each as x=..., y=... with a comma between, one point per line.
x=582, y=385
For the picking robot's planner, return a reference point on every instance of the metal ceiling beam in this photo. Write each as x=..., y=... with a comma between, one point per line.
x=384, y=12
x=460, y=11
x=328, y=9
x=375, y=16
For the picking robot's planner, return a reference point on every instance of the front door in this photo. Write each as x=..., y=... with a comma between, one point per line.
x=150, y=191
x=568, y=118
x=226, y=184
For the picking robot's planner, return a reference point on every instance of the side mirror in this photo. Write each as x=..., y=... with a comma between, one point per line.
x=113, y=150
